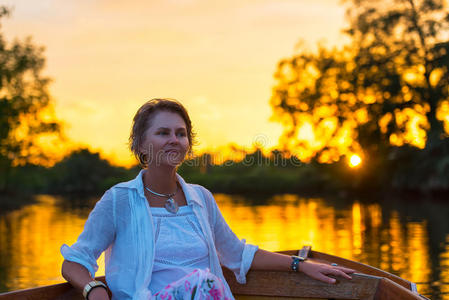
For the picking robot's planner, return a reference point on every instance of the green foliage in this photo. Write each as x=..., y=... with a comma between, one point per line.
x=256, y=174
x=425, y=170
x=85, y=172
x=23, y=96
x=81, y=172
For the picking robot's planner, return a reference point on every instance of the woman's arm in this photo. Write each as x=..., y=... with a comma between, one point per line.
x=78, y=276
x=228, y=245
x=80, y=262
x=265, y=260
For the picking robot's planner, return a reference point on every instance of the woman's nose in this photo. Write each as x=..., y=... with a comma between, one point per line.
x=173, y=138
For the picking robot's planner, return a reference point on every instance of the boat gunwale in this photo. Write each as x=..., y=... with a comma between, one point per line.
x=329, y=258
x=66, y=291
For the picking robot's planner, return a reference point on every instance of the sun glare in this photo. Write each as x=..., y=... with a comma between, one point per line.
x=354, y=161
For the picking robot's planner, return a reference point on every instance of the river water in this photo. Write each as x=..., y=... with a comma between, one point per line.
x=407, y=238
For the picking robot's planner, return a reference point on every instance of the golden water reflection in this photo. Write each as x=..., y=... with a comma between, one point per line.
x=359, y=232
x=30, y=238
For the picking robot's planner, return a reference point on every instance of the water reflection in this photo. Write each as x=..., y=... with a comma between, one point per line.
x=444, y=270
x=30, y=239
x=362, y=232
x=384, y=237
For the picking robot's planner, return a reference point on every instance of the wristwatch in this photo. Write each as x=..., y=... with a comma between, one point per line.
x=90, y=286
x=296, y=261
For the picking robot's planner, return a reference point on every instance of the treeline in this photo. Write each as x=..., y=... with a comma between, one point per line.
x=82, y=172
x=408, y=170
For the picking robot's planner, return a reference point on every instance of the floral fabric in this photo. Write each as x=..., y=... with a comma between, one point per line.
x=198, y=285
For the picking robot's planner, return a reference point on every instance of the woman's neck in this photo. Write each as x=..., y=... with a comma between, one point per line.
x=160, y=179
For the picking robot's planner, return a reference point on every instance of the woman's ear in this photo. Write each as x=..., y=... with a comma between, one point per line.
x=146, y=152
x=143, y=159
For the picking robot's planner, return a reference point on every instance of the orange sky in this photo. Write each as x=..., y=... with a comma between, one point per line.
x=217, y=57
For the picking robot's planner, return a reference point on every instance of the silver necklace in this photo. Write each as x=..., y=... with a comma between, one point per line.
x=170, y=204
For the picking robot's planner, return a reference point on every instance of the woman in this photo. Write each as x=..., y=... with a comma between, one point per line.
x=162, y=236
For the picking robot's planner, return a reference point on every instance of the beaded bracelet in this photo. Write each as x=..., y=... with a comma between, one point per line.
x=296, y=261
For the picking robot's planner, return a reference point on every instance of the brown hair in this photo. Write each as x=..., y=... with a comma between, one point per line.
x=142, y=121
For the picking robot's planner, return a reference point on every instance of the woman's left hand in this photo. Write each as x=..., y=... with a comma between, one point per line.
x=266, y=260
x=320, y=271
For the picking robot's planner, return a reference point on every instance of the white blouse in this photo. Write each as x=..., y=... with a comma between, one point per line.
x=121, y=224
x=180, y=246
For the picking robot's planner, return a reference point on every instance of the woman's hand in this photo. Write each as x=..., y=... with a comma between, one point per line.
x=266, y=260
x=320, y=271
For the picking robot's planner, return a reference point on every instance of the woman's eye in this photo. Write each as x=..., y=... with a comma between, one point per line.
x=181, y=134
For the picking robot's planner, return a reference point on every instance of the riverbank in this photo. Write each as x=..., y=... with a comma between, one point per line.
x=84, y=172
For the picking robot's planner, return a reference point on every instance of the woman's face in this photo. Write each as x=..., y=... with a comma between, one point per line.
x=166, y=141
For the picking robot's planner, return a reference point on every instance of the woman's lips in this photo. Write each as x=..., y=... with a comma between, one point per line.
x=172, y=151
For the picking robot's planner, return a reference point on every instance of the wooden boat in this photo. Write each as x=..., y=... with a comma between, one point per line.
x=368, y=283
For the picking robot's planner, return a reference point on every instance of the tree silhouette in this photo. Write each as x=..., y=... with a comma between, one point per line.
x=84, y=171
x=25, y=104
x=386, y=87
x=403, y=51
